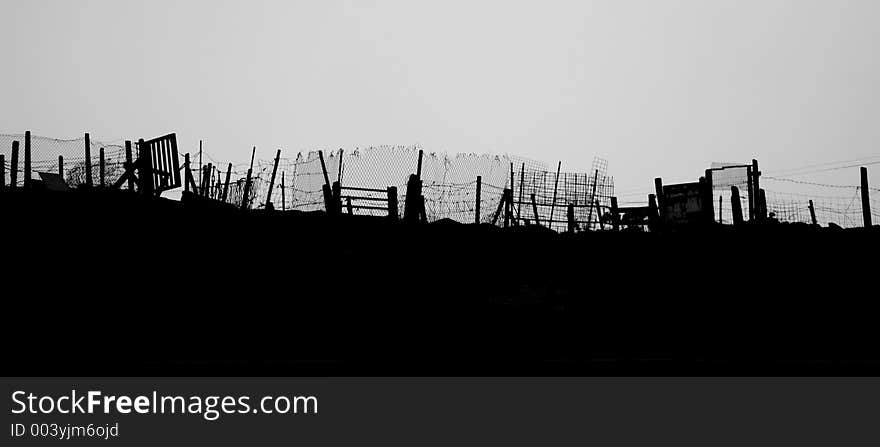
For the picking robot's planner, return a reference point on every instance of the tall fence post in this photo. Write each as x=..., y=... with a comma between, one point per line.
x=535, y=210
x=592, y=199
x=555, y=186
x=522, y=180
x=762, y=205
x=2, y=171
x=88, y=161
x=759, y=210
x=61, y=166
x=419, y=167
x=749, y=186
x=146, y=168
x=13, y=166
x=709, y=201
x=283, y=197
x=27, y=159
x=736, y=206
x=130, y=164
x=101, y=164
x=866, y=200
x=599, y=216
x=813, y=213
x=653, y=213
x=392, y=203
x=477, y=203
x=247, y=184
x=226, y=185
x=272, y=181
x=720, y=210
x=570, y=215
x=615, y=215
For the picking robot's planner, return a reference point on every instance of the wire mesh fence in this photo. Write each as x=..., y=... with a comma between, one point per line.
x=449, y=182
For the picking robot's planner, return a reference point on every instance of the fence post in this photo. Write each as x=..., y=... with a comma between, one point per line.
x=500, y=207
x=508, y=194
x=709, y=199
x=535, y=210
x=146, y=168
x=522, y=180
x=88, y=161
x=187, y=173
x=27, y=159
x=2, y=171
x=866, y=200
x=392, y=202
x=130, y=165
x=350, y=208
x=337, y=198
x=247, y=184
x=419, y=167
x=599, y=216
x=756, y=188
x=226, y=185
x=101, y=164
x=592, y=199
x=477, y=204
x=653, y=215
x=762, y=208
x=570, y=216
x=13, y=166
x=555, y=186
x=736, y=206
x=615, y=215
x=720, y=210
x=813, y=213
x=61, y=166
x=658, y=191
x=272, y=181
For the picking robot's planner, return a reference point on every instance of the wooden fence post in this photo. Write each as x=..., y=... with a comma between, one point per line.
x=337, y=198
x=866, y=200
x=599, y=216
x=500, y=207
x=477, y=203
x=27, y=159
x=571, y=224
x=419, y=167
x=720, y=210
x=751, y=193
x=226, y=185
x=709, y=198
x=508, y=194
x=392, y=203
x=653, y=213
x=535, y=210
x=61, y=166
x=145, y=168
x=592, y=199
x=762, y=208
x=813, y=213
x=272, y=181
x=756, y=188
x=13, y=167
x=88, y=161
x=247, y=184
x=130, y=164
x=522, y=180
x=555, y=186
x=615, y=215
x=736, y=206
x=101, y=164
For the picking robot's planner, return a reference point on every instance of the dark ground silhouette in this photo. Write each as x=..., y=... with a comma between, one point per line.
x=113, y=283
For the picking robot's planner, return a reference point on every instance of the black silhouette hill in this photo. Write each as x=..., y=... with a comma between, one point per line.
x=100, y=282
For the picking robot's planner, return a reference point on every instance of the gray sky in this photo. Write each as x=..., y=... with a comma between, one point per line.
x=658, y=87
